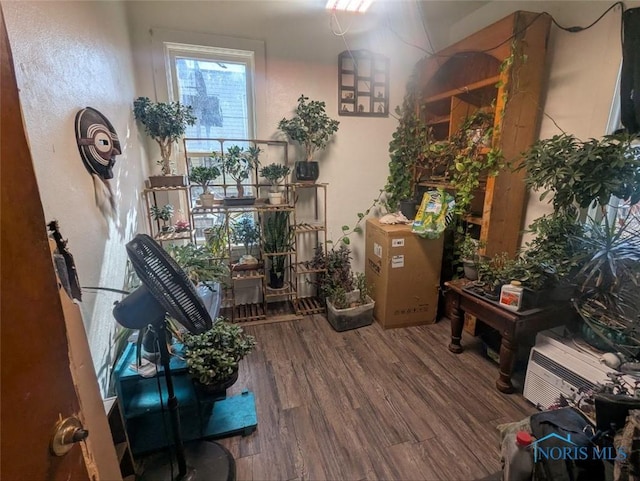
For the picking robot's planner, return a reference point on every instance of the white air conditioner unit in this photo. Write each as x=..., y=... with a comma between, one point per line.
x=560, y=365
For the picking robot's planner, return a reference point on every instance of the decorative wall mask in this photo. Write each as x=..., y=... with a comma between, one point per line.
x=98, y=144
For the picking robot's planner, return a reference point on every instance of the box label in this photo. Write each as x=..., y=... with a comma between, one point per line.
x=397, y=242
x=397, y=261
x=377, y=249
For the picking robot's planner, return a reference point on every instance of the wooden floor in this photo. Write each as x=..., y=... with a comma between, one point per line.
x=369, y=404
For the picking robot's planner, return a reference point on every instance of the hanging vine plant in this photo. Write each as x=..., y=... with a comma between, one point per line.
x=408, y=146
x=474, y=160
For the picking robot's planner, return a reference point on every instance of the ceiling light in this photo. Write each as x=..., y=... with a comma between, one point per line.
x=359, y=6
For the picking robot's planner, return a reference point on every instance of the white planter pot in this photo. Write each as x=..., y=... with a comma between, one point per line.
x=275, y=198
x=206, y=200
x=352, y=317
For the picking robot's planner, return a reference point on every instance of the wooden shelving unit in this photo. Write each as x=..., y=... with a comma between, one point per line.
x=307, y=220
x=504, y=62
x=120, y=438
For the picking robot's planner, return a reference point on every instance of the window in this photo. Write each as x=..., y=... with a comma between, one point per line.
x=222, y=79
x=218, y=84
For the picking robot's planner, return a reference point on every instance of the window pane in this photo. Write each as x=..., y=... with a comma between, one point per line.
x=217, y=91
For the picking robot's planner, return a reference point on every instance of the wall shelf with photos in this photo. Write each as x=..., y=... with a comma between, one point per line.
x=363, y=84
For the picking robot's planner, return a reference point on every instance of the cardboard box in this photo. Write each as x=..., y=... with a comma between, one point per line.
x=403, y=271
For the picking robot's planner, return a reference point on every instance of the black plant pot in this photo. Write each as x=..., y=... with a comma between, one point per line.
x=409, y=208
x=218, y=390
x=276, y=281
x=307, y=171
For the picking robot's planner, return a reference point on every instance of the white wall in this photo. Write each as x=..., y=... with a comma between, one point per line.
x=583, y=68
x=69, y=55
x=301, y=57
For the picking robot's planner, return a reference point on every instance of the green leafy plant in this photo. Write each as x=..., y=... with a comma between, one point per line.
x=473, y=159
x=163, y=213
x=238, y=163
x=275, y=173
x=214, y=355
x=554, y=246
x=202, y=175
x=336, y=264
x=277, y=239
x=347, y=231
x=216, y=238
x=583, y=173
x=244, y=231
x=469, y=247
x=165, y=123
x=408, y=147
x=311, y=127
x=198, y=263
x=360, y=282
x=608, y=255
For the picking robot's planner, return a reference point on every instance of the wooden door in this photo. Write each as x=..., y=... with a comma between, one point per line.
x=36, y=384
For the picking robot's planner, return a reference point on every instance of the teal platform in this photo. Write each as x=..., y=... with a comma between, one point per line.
x=201, y=416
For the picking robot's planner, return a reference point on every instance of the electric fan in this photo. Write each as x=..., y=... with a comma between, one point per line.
x=167, y=289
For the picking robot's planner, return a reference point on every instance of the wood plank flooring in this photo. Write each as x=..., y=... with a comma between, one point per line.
x=369, y=404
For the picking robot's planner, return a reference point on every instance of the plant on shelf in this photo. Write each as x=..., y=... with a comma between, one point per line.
x=277, y=242
x=275, y=174
x=217, y=240
x=202, y=175
x=164, y=214
x=474, y=159
x=238, y=163
x=468, y=253
x=312, y=128
x=165, y=123
x=553, y=251
x=198, y=263
x=213, y=357
x=245, y=232
x=409, y=146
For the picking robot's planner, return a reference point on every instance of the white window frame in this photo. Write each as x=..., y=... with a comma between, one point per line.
x=165, y=43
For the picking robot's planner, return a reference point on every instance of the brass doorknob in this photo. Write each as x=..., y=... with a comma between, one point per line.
x=67, y=432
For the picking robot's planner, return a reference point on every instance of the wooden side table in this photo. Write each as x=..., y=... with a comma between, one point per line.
x=511, y=325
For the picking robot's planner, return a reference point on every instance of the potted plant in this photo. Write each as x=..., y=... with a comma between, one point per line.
x=213, y=356
x=609, y=284
x=163, y=214
x=277, y=242
x=275, y=173
x=347, y=295
x=198, y=263
x=473, y=158
x=312, y=128
x=165, y=123
x=244, y=231
x=553, y=252
x=585, y=173
x=202, y=175
x=238, y=164
x=468, y=253
x=582, y=174
x=350, y=310
x=407, y=146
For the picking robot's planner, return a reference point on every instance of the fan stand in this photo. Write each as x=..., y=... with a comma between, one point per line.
x=197, y=460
